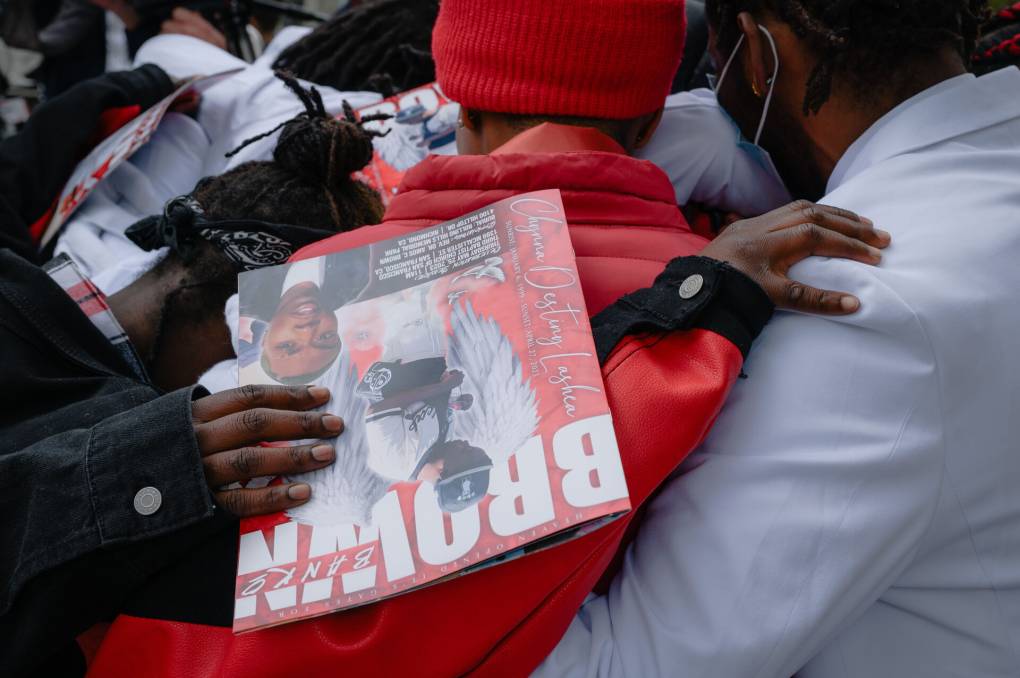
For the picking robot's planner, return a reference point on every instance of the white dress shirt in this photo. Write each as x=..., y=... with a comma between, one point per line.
x=183, y=150
x=699, y=146
x=855, y=511
x=167, y=166
x=245, y=105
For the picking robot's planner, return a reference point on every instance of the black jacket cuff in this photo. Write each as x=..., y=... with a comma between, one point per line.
x=146, y=85
x=143, y=458
x=691, y=292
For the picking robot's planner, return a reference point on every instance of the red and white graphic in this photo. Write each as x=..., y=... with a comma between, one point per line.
x=423, y=121
x=477, y=428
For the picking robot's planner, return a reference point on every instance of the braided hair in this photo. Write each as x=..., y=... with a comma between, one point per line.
x=308, y=182
x=860, y=39
x=382, y=45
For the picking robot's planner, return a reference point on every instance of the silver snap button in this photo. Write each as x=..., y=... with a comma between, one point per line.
x=148, y=500
x=691, y=286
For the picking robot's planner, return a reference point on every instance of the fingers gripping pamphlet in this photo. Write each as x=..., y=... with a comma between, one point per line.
x=477, y=428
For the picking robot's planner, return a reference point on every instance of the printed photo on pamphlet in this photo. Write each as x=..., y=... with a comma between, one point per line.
x=421, y=121
x=461, y=359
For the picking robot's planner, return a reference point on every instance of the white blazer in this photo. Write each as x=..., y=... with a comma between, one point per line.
x=856, y=509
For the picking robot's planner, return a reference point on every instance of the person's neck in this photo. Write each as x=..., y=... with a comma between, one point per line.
x=175, y=354
x=498, y=130
x=551, y=137
x=842, y=120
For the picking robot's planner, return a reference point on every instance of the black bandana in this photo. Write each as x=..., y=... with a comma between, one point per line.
x=249, y=243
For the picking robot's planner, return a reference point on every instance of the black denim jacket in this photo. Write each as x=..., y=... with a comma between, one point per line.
x=80, y=435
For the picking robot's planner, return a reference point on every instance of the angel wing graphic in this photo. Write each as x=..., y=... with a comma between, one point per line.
x=491, y=268
x=345, y=491
x=505, y=410
x=402, y=148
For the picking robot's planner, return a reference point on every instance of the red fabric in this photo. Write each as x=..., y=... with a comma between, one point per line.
x=37, y=229
x=89, y=641
x=112, y=119
x=624, y=222
x=504, y=620
x=700, y=221
x=1007, y=14
x=596, y=58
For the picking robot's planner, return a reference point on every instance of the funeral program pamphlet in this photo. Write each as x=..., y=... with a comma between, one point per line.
x=461, y=359
x=416, y=123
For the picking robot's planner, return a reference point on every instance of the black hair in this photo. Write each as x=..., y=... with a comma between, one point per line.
x=308, y=182
x=383, y=46
x=863, y=41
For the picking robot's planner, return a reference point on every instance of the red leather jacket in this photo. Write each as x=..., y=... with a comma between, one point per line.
x=625, y=227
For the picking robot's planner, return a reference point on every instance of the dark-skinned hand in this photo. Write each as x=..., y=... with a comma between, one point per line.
x=764, y=248
x=229, y=427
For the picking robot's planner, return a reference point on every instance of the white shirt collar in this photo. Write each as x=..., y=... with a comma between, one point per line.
x=953, y=107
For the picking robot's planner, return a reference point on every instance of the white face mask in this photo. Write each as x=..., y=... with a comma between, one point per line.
x=770, y=83
x=751, y=149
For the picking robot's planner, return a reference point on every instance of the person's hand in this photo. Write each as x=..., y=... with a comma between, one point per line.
x=229, y=427
x=764, y=248
x=186, y=22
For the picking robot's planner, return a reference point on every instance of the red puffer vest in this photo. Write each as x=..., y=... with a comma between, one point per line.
x=504, y=620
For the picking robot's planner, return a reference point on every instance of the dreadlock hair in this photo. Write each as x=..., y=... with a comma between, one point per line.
x=382, y=45
x=308, y=182
x=860, y=40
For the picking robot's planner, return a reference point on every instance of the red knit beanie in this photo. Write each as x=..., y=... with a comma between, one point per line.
x=587, y=58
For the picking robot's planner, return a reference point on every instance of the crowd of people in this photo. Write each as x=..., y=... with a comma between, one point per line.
x=796, y=225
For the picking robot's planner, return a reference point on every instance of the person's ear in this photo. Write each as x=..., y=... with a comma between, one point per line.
x=758, y=63
x=469, y=138
x=647, y=129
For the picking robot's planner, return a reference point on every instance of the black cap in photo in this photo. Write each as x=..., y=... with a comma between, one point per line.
x=464, y=479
